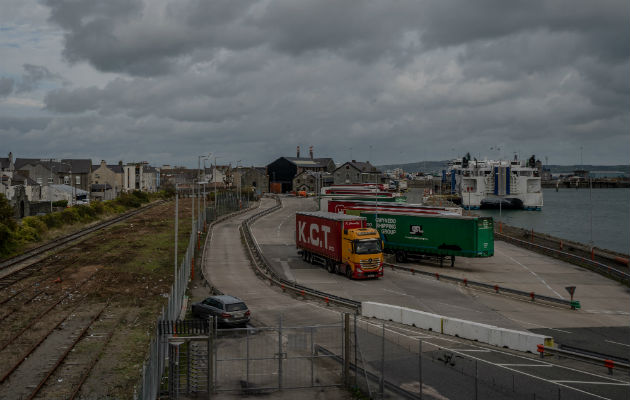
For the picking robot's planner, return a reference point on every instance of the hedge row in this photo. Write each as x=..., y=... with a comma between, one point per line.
x=13, y=236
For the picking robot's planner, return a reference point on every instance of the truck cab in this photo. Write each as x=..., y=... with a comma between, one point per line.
x=362, y=253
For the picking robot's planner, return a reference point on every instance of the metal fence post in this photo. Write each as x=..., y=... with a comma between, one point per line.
x=210, y=357
x=381, y=388
x=356, y=366
x=420, y=368
x=280, y=354
x=312, y=359
x=247, y=360
x=346, y=348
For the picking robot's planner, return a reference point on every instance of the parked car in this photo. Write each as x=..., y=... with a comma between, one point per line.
x=228, y=310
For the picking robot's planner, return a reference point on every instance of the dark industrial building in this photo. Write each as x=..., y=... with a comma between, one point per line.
x=282, y=171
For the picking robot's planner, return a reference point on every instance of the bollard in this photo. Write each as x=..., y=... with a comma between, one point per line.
x=561, y=245
x=437, y=276
x=465, y=282
x=283, y=288
x=327, y=301
x=610, y=364
x=532, y=234
x=392, y=267
x=592, y=254
x=303, y=293
x=500, y=227
x=541, y=350
x=192, y=269
x=496, y=288
x=413, y=271
x=532, y=295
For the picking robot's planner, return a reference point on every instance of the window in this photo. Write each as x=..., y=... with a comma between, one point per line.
x=39, y=181
x=66, y=180
x=77, y=179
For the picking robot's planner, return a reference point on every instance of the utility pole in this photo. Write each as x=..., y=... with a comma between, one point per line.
x=176, y=225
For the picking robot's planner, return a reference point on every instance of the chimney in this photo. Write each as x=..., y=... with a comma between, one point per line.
x=310, y=151
x=298, y=152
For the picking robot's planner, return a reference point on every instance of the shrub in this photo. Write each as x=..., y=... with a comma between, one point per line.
x=36, y=223
x=128, y=200
x=52, y=220
x=25, y=234
x=60, y=203
x=142, y=196
x=7, y=240
x=70, y=216
x=98, y=207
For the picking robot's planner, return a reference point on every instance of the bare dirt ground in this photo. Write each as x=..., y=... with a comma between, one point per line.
x=124, y=273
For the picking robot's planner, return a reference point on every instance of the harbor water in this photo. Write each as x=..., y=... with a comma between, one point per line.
x=566, y=214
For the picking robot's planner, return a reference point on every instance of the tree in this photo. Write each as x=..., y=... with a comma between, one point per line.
x=6, y=213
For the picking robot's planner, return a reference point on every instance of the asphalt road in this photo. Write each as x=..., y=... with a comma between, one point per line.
x=601, y=324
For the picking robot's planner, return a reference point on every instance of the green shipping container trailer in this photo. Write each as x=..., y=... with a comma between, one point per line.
x=408, y=235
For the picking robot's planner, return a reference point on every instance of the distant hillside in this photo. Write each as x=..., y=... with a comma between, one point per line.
x=436, y=167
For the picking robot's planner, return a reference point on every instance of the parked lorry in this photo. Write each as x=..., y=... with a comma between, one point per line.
x=409, y=235
x=341, y=243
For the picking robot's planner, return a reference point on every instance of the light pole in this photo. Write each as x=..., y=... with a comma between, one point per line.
x=238, y=184
x=176, y=225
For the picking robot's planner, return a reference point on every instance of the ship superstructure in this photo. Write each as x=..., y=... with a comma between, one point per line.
x=495, y=184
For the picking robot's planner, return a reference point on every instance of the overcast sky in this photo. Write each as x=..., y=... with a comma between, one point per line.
x=387, y=80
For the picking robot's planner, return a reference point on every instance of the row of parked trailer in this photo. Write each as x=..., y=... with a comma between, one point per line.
x=405, y=230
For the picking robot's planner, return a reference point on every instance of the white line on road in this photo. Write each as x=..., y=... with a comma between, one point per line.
x=595, y=383
x=525, y=365
x=540, y=326
x=622, y=344
x=532, y=272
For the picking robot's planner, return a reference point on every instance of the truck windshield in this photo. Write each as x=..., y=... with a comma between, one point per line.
x=372, y=246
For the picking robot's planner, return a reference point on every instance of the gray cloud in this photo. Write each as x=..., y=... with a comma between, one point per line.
x=33, y=75
x=6, y=86
x=412, y=79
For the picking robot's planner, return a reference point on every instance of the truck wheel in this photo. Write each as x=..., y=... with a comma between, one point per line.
x=330, y=267
x=348, y=272
x=401, y=257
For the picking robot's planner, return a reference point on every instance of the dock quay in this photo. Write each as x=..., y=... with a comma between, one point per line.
x=600, y=260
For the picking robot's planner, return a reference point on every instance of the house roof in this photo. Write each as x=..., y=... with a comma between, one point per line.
x=77, y=166
x=98, y=187
x=361, y=166
x=69, y=189
x=4, y=163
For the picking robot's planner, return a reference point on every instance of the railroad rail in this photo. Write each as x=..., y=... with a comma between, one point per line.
x=264, y=270
x=596, y=266
x=71, y=237
x=495, y=288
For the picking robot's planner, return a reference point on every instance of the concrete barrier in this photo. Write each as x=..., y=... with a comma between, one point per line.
x=501, y=337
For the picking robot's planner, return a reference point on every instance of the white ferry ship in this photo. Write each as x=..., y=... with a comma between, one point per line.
x=496, y=184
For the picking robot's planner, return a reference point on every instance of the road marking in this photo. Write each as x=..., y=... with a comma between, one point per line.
x=622, y=344
x=460, y=341
x=541, y=326
x=287, y=270
x=398, y=293
x=532, y=272
x=478, y=350
x=525, y=365
x=595, y=383
x=609, y=312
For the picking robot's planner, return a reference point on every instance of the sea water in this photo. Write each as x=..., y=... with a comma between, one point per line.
x=582, y=215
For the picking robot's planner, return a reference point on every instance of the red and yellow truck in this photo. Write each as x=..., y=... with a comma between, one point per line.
x=341, y=243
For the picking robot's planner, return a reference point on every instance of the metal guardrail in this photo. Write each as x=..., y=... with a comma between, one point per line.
x=264, y=270
x=496, y=288
x=595, y=265
x=581, y=356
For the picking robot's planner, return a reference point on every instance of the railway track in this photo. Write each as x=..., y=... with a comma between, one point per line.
x=24, y=257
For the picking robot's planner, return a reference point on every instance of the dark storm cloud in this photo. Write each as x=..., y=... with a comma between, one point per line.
x=6, y=86
x=413, y=79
